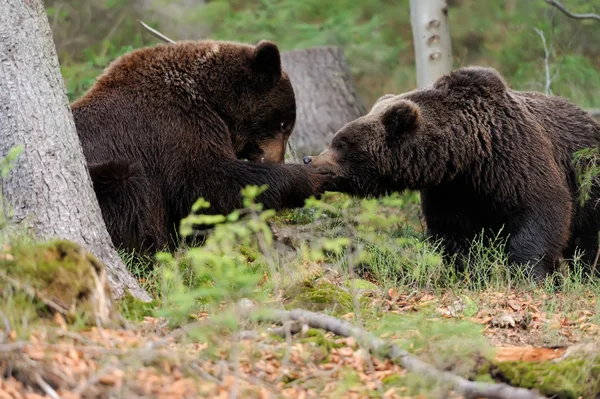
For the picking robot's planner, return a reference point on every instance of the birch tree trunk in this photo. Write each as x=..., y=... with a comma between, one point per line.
x=326, y=98
x=49, y=190
x=431, y=38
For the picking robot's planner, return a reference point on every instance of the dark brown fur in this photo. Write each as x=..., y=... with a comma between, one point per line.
x=166, y=125
x=484, y=157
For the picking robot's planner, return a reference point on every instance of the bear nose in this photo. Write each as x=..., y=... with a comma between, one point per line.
x=307, y=159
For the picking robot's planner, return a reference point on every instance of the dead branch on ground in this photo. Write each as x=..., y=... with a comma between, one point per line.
x=469, y=389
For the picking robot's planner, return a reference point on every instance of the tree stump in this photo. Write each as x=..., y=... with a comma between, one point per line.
x=326, y=98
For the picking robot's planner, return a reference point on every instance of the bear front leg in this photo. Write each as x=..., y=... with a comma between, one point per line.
x=536, y=245
x=585, y=239
x=453, y=246
x=288, y=187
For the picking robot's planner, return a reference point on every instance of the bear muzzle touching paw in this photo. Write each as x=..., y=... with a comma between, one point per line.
x=272, y=151
x=485, y=158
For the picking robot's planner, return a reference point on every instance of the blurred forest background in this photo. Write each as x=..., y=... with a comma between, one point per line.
x=375, y=34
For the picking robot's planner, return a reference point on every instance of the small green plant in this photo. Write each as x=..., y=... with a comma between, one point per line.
x=587, y=164
x=6, y=165
x=221, y=271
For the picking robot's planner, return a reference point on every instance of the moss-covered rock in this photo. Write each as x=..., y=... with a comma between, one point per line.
x=41, y=279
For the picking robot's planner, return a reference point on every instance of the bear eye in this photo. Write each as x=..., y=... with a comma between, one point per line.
x=283, y=126
x=341, y=145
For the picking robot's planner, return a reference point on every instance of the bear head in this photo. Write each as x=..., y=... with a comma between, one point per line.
x=362, y=155
x=233, y=88
x=419, y=138
x=262, y=111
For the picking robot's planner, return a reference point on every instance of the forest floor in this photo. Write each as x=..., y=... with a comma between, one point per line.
x=154, y=361
x=523, y=336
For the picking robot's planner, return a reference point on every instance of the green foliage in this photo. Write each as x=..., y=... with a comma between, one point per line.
x=220, y=268
x=375, y=34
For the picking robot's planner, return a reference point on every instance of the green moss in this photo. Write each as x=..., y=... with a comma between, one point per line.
x=568, y=379
x=393, y=379
x=360, y=284
x=326, y=296
x=59, y=272
x=251, y=254
x=300, y=216
x=134, y=309
x=318, y=338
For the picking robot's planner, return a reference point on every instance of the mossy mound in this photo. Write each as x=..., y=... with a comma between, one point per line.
x=59, y=276
x=567, y=379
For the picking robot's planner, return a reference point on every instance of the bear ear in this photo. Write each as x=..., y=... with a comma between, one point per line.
x=385, y=97
x=266, y=59
x=380, y=102
x=402, y=117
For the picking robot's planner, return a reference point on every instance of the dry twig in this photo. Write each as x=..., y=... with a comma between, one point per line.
x=156, y=33
x=570, y=14
x=469, y=389
x=45, y=387
x=547, y=89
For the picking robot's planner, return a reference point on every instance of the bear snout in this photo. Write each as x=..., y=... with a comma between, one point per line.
x=307, y=159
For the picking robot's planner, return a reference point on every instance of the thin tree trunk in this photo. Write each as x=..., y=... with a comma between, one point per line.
x=326, y=98
x=595, y=113
x=431, y=38
x=49, y=189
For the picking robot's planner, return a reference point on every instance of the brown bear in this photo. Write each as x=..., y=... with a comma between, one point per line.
x=165, y=125
x=484, y=157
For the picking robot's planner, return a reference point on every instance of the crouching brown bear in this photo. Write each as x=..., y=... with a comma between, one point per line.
x=165, y=125
x=484, y=157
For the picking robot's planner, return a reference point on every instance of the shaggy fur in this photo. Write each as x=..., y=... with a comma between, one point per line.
x=484, y=157
x=166, y=125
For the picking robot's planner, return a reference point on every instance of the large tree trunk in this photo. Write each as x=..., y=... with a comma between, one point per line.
x=431, y=38
x=50, y=188
x=326, y=98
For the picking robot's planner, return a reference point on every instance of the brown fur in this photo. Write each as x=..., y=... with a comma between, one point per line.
x=484, y=158
x=165, y=125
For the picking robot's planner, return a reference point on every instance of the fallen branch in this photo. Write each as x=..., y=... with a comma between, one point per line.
x=570, y=14
x=469, y=389
x=45, y=387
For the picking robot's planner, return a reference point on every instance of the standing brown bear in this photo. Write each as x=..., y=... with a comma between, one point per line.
x=165, y=125
x=484, y=157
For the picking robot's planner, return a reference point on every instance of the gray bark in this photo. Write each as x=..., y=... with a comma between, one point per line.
x=431, y=38
x=49, y=190
x=326, y=98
